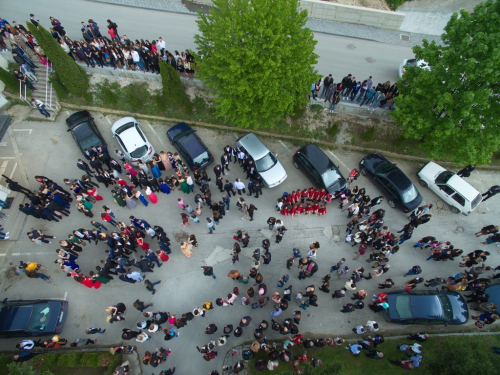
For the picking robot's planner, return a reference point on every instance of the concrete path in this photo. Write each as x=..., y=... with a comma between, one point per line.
x=431, y=16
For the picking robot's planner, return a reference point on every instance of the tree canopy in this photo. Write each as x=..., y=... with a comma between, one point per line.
x=258, y=56
x=452, y=108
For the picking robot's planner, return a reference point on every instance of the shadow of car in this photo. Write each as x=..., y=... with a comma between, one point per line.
x=426, y=307
x=190, y=146
x=84, y=130
x=400, y=190
x=23, y=318
x=319, y=168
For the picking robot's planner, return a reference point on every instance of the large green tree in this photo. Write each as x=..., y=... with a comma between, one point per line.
x=452, y=108
x=258, y=56
x=72, y=76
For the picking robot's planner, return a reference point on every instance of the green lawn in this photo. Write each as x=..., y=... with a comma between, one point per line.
x=457, y=355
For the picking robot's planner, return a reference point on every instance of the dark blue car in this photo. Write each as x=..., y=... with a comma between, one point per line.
x=190, y=146
x=426, y=307
x=32, y=317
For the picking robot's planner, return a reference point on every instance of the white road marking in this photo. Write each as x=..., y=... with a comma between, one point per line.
x=4, y=167
x=13, y=170
x=65, y=295
x=67, y=112
x=340, y=161
x=109, y=121
x=157, y=136
x=23, y=130
x=26, y=254
x=2, y=255
x=284, y=145
x=3, y=144
x=7, y=157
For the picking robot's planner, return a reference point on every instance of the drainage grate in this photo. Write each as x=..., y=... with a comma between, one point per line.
x=370, y=60
x=405, y=37
x=351, y=46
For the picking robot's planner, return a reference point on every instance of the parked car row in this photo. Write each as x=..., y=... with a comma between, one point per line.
x=310, y=159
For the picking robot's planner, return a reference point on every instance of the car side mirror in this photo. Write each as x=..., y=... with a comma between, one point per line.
x=68, y=130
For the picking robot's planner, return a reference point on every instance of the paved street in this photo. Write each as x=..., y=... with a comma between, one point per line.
x=47, y=149
x=338, y=55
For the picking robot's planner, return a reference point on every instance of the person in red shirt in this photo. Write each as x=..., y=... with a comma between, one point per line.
x=293, y=211
x=322, y=210
x=298, y=195
x=300, y=209
x=315, y=208
x=284, y=211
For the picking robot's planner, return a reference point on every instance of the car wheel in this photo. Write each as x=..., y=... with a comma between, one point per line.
x=364, y=172
x=422, y=183
x=455, y=210
x=392, y=203
x=295, y=165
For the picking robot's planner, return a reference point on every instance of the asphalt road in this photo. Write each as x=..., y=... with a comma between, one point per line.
x=337, y=55
x=47, y=149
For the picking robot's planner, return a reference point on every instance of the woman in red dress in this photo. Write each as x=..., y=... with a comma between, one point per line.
x=142, y=244
x=152, y=196
x=163, y=256
x=93, y=192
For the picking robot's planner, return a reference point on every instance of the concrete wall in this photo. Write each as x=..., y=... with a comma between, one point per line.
x=344, y=13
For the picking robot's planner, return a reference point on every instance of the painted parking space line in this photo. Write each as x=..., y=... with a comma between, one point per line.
x=284, y=145
x=340, y=161
x=25, y=254
x=109, y=121
x=157, y=136
x=13, y=170
x=2, y=255
x=3, y=144
x=3, y=167
x=23, y=130
x=7, y=157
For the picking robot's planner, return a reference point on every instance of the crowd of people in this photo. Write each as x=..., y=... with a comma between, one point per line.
x=351, y=90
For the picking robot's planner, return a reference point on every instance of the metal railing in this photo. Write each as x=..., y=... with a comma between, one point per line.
x=23, y=96
x=48, y=91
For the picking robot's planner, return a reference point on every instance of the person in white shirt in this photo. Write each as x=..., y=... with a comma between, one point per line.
x=137, y=59
x=134, y=275
x=41, y=107
x=160, y=44
x=28, y=344
x=240, y=186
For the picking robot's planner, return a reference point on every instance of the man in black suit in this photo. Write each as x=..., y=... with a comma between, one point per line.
x=145, y=182
x=145, y=265
x=88, y=153
x=84, y=167
x=106, y=159
x=218, y=170
x=224, y=161
x=228, y=187
x=257, y=187
x=134, y=180
x=96, y=164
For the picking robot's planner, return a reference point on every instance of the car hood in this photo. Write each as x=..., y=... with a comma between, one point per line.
x=274, y=175
x=430, y=171
x=373, y=162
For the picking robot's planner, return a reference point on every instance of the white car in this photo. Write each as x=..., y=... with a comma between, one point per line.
x=454, y=190
x=132, y=140
x=412, y=62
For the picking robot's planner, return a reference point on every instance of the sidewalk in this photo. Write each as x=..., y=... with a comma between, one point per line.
x=316, y=25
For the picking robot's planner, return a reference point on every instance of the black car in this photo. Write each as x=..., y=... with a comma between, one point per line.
x=32, y=317
x=426, y=307
x=82, y=126
x=190, y=146
x=319, y=168
x=400, y=190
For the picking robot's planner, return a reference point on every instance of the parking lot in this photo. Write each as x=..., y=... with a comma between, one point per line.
x=45, y=148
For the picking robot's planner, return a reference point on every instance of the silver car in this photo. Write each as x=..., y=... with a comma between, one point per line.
x=132, y=140
x=266, y=163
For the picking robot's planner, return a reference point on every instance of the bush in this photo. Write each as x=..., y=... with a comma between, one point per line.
x=173, y=89
x=299, y=112
x=108, y=96
x=58, y=87
x=400, y=142
x=316, y=107
x=135, y=103
x=69, y=360
x=394, y=4
x=368, y=135
x=333, y=130
x=161, y=106
x=10, y=81
x=72, y=76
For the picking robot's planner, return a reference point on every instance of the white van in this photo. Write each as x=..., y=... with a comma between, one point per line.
x=454, y=190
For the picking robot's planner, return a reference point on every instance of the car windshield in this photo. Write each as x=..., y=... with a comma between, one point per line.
x=409, y=195
x=411, y=62
x=139, y=152
x=330, y=177
x=39, y=317
x=446, y=304
x=266, y=163
x=202, y=158
x=385, y=168
x=443, y=177
x=122, y=128
x=86, y=136
x=476, y=201
x=403, y=307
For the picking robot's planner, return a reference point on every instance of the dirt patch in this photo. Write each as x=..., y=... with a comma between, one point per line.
x=180, y=235
x=374, y=4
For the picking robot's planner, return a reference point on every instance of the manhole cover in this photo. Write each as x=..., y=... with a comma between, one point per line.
x=405, y=37
x=370, y=60
x=351, y=46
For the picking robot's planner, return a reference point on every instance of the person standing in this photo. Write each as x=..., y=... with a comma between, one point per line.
x=208, y=271
x=41, y=107
x=228, y=187
x=84, y=167
x=22, y=78
x=465, y=172
x=327, y=82
x=36, y=235
x=240, y=186
x=492, y=191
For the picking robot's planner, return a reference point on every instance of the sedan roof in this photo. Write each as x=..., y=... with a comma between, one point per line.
x=317, y=158
x=15, y=318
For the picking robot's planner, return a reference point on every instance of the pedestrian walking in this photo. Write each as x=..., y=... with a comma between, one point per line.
x=208, y=271
x=465, y=172
x=492, y=191
x=41, y=107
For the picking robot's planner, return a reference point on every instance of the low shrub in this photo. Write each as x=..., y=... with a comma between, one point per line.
x=333, y=130
x=368, y=135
